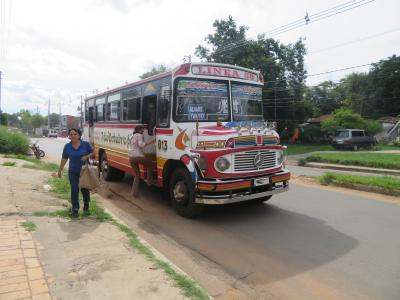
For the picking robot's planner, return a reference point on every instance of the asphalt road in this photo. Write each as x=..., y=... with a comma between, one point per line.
x=308, y=243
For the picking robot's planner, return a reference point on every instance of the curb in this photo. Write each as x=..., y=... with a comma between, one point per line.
x=366, y=188
x=352, y=168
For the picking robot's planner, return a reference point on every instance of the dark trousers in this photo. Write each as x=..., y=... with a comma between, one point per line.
x=74, y=181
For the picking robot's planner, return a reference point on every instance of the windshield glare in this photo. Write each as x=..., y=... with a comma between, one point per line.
x=201, y=100
x=247, y=102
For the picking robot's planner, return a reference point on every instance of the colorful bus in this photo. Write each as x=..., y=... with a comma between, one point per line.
x=212, y=144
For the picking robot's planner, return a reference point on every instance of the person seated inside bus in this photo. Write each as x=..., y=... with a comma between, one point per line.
x=136, y=157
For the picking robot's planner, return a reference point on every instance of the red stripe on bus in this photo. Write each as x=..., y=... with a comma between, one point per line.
x=117, y=125
x=165, y=131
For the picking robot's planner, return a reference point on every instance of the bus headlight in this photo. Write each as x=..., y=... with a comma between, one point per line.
x=280, y=157
x=222, y=164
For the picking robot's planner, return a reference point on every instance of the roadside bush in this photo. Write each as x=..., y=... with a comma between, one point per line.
x=312, y=133
x=13, y=142
x=344, y=118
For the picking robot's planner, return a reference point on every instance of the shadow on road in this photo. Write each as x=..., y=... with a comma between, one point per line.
x=258, y=244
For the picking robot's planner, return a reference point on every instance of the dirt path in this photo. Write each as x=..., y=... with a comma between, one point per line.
x=86, y=259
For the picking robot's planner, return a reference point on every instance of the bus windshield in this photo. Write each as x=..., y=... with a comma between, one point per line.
x=201, y=100
x=247, y=102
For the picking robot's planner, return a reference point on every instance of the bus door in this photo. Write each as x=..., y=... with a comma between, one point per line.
x=149, y=119
x=164, y=136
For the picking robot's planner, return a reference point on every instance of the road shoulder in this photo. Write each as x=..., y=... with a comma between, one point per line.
x=85, y=258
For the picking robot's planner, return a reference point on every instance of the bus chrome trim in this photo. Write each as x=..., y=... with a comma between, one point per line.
x=218, y=200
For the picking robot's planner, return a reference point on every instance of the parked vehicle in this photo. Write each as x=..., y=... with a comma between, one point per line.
x=52, y=133
x=353, y=139
x=39, y=153
x=212, y=144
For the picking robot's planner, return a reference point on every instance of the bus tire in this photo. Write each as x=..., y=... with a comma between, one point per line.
x=109, y=173
x=261, y=200
x=182, y=194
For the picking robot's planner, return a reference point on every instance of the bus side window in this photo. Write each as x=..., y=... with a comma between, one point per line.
x=149, y=112
x=131, y=109
x=164, y=104
x=90, y=116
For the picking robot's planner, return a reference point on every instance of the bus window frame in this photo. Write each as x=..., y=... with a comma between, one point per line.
x=96, y=104
x=233, y=82
x=167, y=99
x=175, y=95
x=108, y=107
x=140, y=97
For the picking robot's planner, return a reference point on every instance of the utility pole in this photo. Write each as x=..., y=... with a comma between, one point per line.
x=81, y=113
x=48, y=115
x=60, y=115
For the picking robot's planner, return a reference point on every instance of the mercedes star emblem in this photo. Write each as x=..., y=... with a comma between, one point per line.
x=258, y=160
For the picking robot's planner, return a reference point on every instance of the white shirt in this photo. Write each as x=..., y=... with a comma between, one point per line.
x=137, y=146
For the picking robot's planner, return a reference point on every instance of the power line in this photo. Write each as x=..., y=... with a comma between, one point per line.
x=338, y=70
x=338, y=9
x=354, y=41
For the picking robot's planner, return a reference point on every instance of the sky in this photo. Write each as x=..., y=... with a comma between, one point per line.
x=62, y=50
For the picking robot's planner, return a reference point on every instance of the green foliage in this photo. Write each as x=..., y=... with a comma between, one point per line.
x=344, y=118
x=154, y=71
x=366, y=159
x=9, y=163
x=294, y=149
x=13, y=142
x=4, y=119
x=37, y=120
x=386, y=182
x=36, y=164
x=312, y=133
x=29, y=226
x=324, y=98
x=302, y=162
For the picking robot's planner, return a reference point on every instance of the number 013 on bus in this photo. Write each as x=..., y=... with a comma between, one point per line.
x=212, y=144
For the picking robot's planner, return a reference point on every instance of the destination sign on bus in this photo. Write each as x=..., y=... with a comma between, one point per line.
x=224, y=72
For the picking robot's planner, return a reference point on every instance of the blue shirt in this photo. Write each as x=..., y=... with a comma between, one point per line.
x=75, y=155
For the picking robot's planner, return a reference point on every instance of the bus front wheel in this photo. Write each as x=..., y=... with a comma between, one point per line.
x=109, y=173
x=182, y=194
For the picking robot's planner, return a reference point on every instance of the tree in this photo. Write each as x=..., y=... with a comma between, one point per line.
x=37, y=120
x=4, y=119
x=376, y=93
x=281, y=65
x=25, y=118
x=344, y=118
x=54, y=120
x=324, y=98
x=154, y=71
x=385, y=87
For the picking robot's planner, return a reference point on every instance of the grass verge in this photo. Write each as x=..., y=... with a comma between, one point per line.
x=29, y=226
x=301, y=149
x=9, y=164
x=373, y=160
x=188, y=286
x=380, y=182
x=387, y=147
x=36, y=163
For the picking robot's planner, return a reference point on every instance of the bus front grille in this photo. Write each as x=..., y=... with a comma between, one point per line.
x=245, y=161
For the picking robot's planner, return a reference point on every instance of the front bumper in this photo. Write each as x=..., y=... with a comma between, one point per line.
x=225, y=192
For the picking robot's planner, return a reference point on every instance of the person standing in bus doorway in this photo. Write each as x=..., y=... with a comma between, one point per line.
x=77, y=151
x=136, y=157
